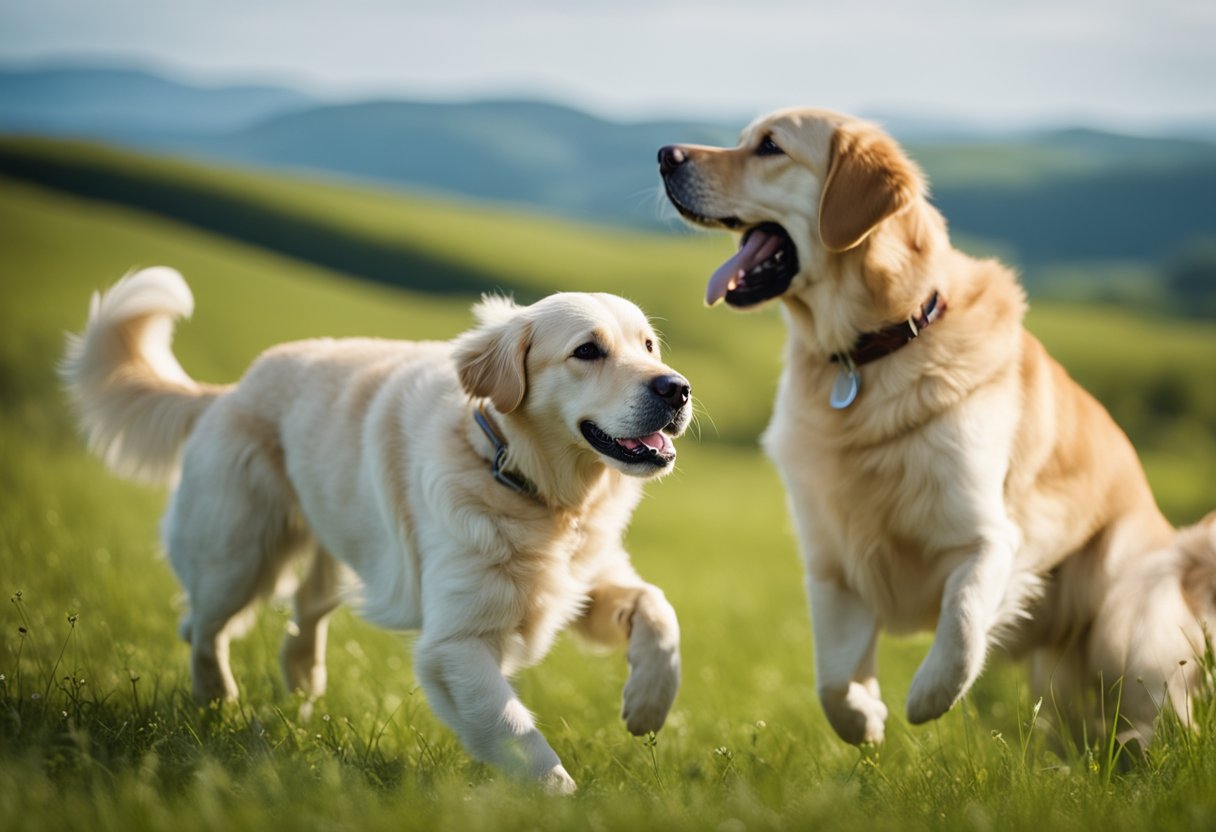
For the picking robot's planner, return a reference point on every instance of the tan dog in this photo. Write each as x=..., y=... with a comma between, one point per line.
x=478, y=489
x=942, y=470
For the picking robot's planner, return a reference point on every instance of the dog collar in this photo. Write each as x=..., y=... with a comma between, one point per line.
x=516, y=482
x=871, y=346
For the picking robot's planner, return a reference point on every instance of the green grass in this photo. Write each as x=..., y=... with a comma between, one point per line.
x=96, y=726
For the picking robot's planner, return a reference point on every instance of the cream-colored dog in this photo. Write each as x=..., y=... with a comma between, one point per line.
x=942, y=470
x=478, y=489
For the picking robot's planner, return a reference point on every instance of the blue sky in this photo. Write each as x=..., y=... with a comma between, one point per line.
x=1122, y=63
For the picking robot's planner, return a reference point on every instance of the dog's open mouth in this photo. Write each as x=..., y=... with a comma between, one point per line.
x=762, y=268
x=654, y=449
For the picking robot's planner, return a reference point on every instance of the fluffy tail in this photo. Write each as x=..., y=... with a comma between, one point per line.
x=132, y=398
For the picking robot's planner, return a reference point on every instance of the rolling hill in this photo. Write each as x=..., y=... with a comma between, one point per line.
x=97, y=726
x=1152, y=372
x=1102, y=206
x=98, y=729
x=537, y=154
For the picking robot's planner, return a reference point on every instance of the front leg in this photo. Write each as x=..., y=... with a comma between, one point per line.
x=465, y=686
x=845, y=631
x=640, y=614
x=970, y=603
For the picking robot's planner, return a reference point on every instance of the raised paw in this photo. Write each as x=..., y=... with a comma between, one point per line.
x=654, y=678
x=856, y=712
x=557, y=781
x=939, y=682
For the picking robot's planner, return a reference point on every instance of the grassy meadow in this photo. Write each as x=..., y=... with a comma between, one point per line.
x=97, y=729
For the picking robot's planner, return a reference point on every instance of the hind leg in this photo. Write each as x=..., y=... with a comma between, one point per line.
x=303, y=655
x=1147, y=635
x=223, y=596
x=1159, y=671
x=228, y=533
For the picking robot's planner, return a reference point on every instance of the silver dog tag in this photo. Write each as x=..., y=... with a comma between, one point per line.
x=844, y=389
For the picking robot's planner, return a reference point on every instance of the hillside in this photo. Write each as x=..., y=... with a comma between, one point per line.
x=433, y=246
x=536, y=154
x=97, y=727
x=1112, y=211
x=1151, y=372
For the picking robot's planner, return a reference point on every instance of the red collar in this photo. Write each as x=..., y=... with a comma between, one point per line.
x=871, y=346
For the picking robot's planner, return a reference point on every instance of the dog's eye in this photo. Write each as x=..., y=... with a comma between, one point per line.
x=768, y=147
x=649, y=345
x=589, y=351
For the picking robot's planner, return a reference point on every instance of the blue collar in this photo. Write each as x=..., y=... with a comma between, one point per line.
x=516, y=482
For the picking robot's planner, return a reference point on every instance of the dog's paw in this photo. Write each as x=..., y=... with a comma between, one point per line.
x=301, y=670
x=557, y=781
x=939, y=682
x=654, y=678
x=856, y=713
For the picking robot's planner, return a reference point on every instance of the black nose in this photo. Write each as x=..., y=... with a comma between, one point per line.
x=672, y=389
x=670, y=158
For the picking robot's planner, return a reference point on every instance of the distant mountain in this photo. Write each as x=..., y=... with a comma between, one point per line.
x=132, y=104
x=546, y=155
x=1050, y=196
x=554, y=157
x=1077, y=195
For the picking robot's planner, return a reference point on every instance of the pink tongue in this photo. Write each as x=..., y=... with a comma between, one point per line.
x=656, y=441
x=759, y=247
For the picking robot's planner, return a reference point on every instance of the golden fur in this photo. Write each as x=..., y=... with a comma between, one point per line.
x=972, y=487
x=365, y=453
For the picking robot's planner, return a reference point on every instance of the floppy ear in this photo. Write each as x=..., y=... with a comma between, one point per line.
x=869, y=180
x=491, y=361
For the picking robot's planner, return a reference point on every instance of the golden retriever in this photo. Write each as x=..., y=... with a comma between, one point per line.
x=942, y=470
x=479, y=490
